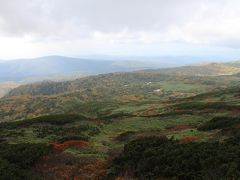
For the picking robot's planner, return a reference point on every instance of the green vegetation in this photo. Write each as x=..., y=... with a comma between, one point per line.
x=87, y=122
x=220, y=123
x=16, y=160
x=49, y=128
x=61, y=119
x=159, y=157
x=90, y=95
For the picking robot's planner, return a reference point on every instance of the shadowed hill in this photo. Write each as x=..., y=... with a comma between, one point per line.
x=52, y=66
x=22, y=69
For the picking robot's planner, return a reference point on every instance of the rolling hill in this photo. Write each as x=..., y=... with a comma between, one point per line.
x=69, y=96
x=59, y=68
x=234, y=63
x=212, y=69
x=195, y=71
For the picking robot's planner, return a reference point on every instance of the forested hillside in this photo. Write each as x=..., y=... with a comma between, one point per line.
x=69, y=96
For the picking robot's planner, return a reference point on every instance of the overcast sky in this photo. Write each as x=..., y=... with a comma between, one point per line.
x=208, y=28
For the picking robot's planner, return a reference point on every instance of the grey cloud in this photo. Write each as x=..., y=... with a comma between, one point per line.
x=52, y=16
x=73, y=19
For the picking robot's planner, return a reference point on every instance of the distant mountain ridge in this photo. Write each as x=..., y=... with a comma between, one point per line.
x=22, y=69
x=52, y=67
x=16, y=70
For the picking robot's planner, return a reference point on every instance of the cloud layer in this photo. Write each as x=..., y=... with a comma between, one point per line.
x=59, y=24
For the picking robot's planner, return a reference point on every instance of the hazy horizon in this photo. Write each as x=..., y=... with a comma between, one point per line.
x=184, y=60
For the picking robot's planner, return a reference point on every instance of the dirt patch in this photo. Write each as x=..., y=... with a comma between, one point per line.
x=94, y=171
x=121, y=178
x=56, y=166
x=190, y=139
x=66, y=144
x=180, y=127
x=149, y=112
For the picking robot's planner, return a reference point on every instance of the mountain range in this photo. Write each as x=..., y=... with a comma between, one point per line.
x=59, y=67
x=62, y=68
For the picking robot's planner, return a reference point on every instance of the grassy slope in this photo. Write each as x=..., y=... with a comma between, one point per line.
x=110, y=90
x=213, y=69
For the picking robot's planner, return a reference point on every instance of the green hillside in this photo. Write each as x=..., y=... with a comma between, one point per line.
x=213, y=69
x=93, y=127
x=126, y=89
x=194, y=74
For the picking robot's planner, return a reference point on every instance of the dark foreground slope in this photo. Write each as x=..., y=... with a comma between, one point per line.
x=161, y=158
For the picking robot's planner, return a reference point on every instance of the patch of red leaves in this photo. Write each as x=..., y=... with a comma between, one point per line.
x=54, y=166
x=180, y=127
x=68, y=167
x=149, y=112
x=66, y=144
x=120, y=178
x=94, y=171
x=189, y=139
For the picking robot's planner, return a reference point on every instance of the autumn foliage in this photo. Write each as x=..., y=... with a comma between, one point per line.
x=72, y=143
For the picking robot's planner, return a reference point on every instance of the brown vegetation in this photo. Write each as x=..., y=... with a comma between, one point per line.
x=65, y=166
x=190, y=139
x=180, y=127
x=66, y=144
